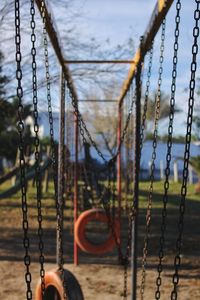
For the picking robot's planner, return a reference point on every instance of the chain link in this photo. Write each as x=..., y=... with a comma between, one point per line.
x=49, y=101
x=37, y=148
x=169, y=150
x=146, y=98
x=153, y=158
x=20, y=128
x=177, y=259
x=83, y=129
x=61, y=185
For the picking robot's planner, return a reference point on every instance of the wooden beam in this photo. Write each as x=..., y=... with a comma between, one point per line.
x=99, y=62
x=53, y=35
x=160, y=11
x=97, y=100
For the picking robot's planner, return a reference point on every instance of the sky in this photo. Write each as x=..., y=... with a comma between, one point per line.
x=116, y=20
x=119, y=20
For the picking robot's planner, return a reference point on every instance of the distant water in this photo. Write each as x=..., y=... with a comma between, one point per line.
x=177, y=151
x=161, y=150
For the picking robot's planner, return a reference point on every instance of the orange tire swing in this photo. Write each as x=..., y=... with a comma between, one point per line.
x=54, y=287
x=80, y=232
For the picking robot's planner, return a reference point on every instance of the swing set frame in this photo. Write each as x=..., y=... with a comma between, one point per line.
x=160, y=11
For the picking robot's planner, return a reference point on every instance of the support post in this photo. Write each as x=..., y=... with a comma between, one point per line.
x=161, y=170
x=190, y=175
x=60, y=204
x=119, y=188
x=136, y=185
x=46, y=174
x=175, y=171
x=75, y=185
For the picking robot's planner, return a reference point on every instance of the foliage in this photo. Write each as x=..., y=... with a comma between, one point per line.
x=8, y=119
x=195, y=163
x=164, y=106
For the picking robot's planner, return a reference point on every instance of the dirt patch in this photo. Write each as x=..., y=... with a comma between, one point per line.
x=100, y=277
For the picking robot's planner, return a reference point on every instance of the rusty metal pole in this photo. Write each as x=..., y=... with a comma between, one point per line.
x=136, y=184
x=75, y=185
x=119, y=187
x=60, y=204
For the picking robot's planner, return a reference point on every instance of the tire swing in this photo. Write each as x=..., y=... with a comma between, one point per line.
x=54, y=287
x=94, y=214
x=60, y=284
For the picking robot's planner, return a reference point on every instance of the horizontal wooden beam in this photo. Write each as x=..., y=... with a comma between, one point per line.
x=160, y=11
x=99, y=62
x=97, y=100
x=53, y=35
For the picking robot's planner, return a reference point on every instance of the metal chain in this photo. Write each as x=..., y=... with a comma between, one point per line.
x=48, y=87
x=177, y=259
x=53, y=150
x=153, y=158
x=20, y=128
x=37, y=148
x=132, y=238
x=169, y=151
x=61, y=185
x=146, y=98
x=83, y=129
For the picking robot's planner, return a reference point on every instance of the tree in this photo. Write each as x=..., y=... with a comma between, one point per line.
x=164, y=106
x=73, y=47
x=103, y=119
x=8, y=119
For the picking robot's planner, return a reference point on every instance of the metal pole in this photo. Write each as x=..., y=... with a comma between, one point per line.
x=75, y=185
x=136, y=185
x=119, y=191
x=60, y=204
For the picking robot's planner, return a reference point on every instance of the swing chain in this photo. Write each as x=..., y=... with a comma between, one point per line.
x=37, y=148
x=20, y=128
x=61, y=186
x=83, y=129
x=146, y=98
x=169, y=149
x=177, y=259
x=48, y=86
x=153, y=158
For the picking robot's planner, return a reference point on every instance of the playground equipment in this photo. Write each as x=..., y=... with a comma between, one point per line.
x=30, y=175
x=59, y=282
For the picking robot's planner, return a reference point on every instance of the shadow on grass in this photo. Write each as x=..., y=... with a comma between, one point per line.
x=11, y=237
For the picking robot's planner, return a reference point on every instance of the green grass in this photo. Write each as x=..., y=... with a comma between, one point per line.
x=174, y=193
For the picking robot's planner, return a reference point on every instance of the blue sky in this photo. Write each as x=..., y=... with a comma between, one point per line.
x=118, y=20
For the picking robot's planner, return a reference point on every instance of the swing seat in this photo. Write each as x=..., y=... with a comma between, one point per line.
x=54, y=287
x=80, y=232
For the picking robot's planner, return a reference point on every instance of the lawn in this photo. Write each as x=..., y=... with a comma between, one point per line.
x=12, y=250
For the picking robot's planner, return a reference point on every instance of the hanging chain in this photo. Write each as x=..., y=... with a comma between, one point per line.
x=53, y=152
x=49, y=101
x=169, y=150
x=20, y=128
x=131, y=245
x=146, y=98
x=61, y=185
x=177, y=259
x=153, y=158
x=37, y=146
x=83, y=129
